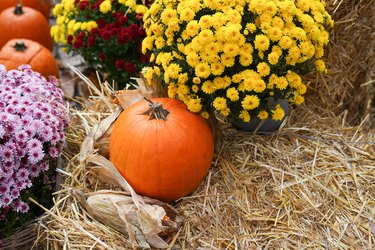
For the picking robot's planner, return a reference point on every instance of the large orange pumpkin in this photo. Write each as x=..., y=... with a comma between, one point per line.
x=23, y=51
x=26, y=23
x=43, y=6
x=162, y=159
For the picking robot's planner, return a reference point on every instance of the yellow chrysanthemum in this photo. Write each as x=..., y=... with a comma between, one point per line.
x=263, y=69
x=298, y=33
x=259, y=85
x=192, y=28
x=166, y=58
x=205, y=22
x=194, y=105
x=261, y=42
x=273, y=58
x=281, y=83
x=172, y=90
x=146, y=44
x=304, y=5
x=202, y=70
x=187, y=14
x=140, y=9
x=91, y=25
x=231, y=48
x=227, y=60
x=183, y=89
x=232, y=94
x=173, y=70
x=183, y=78
x=219, y=103
x=244, y=115
x=320, y=65
x=250, y=102
x=206, y=37
x=221, y=82
x=248, y=84
x=263, y=115
x=159, y=42
x=285, y=42
x=236, y=78
x=168, y=16
x=157, y=70
x=217, y=68
x=301, y=89
x=192, y=59
x=57, y=9
x=247, y=48
x=278, y=114
x=274, y=33
x=294, y=53
x=205, y=115
x=251, y=27
x=293, y=78
x=212, y=4
x=225, y=111
x=307, y=49
x=208, y=87
x=270, y=8
x=298, y=99
x=148, y=74
x=196, y=80
x=277, y=22
x=246, y=59
x=105, y=6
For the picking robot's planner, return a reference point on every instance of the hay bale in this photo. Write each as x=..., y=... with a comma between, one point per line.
x=311, y=185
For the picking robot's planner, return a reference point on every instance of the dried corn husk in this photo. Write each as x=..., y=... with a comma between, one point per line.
x=117, y=210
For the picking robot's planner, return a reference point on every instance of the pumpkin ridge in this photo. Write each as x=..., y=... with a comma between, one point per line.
x=35, y=54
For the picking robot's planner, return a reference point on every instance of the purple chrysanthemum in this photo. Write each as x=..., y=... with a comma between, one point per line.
x=33, y=117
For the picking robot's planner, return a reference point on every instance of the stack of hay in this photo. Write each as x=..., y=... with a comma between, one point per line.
x=311, y=185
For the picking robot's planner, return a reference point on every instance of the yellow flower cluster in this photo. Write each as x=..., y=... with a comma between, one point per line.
x=233, y=55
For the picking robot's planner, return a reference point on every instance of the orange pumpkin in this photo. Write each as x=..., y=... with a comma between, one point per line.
x=164, y=159
x=43, y=6
x=26, y=23
x=23, y=51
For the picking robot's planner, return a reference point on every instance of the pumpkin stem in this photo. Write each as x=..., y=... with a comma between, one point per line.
x=18, y=9
x=156, y=110
x=20, y=46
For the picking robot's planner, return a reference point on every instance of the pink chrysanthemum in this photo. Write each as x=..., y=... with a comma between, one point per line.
x=33, y=117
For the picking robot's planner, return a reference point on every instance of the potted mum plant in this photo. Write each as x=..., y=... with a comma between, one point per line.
x=106, y=33
x=239, y=59
x=33, y=117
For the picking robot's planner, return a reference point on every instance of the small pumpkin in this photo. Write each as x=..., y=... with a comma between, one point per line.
x=24, y=22
x=17, y=52
x=43, y=6
x=162, y=149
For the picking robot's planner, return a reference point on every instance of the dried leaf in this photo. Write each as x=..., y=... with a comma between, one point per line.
x=97, y=131
x=128, y=97
x=107, y=172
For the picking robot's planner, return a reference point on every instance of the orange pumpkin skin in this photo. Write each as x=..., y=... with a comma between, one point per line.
x=165, y=160
x=29, y=24
x=36, y=55
x=43, y=6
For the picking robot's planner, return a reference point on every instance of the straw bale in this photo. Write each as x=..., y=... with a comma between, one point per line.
x=349, y=88
x=311, y=185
